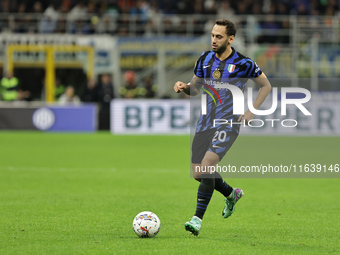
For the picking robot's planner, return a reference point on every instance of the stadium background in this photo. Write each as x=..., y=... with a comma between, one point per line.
x=62, y=189
x=143, y=47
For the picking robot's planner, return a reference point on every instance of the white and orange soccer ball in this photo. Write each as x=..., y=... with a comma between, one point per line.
x=146, y=224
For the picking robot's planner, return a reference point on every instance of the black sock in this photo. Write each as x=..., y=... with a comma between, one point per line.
x=204, y=194
x=221, y=186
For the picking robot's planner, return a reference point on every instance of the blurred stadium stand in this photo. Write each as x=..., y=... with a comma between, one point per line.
x=257, y=21
x=160, y=40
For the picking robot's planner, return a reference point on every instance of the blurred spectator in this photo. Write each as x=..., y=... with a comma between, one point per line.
x=5, y=6
x=52, y=12
x=59, y=88
x=199, y=7
x=106, y=25
x=78, y=12
x=252, y=26
x=150, y=29
x=112, y=8
x=169, y=6
x=22, y=7
x=282, y=9
x=154, y=11
x=210, y=7
x=77, y=18
x=130, y=89
x=168, y=27
x=241, y=8
x=300, y=7
x=34, y=15
x=140, y=10
x=184, y=7
x=225, y=11
x=105, y=95
x=149, y=90
x=10, y=89
x=37, y=8
x=139, y=14
x=123, y=22
x=105, y=90
x=92, y=19
x=302, y=10
x=63, y=11
x=69, y=97
x=21, y=24
x=154, y=19
x=91, y=91
x=66, y=4
x=270, y=29
x=47, y=25
x=182, y=27
x=126, y=3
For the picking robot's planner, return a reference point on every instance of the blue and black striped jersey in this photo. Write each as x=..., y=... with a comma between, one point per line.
x=234, y=70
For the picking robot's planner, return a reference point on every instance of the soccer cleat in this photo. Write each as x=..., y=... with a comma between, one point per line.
x=230, y=203
x=194, y=225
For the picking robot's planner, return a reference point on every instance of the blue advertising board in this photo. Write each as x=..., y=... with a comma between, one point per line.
x=71, y=118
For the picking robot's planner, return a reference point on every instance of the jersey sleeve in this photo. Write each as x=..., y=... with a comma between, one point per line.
x=198, y=70
x=252, y=69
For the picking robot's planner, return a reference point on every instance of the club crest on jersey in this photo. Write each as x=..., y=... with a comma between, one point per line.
x=216, y=74
x=231, y=68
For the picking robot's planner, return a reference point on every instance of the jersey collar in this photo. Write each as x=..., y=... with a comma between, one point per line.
x=229, y=57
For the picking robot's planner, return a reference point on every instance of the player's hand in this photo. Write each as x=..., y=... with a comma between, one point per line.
x=180, y=86
x=246, y=117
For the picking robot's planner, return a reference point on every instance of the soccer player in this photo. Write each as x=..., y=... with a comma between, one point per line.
x=210, y=144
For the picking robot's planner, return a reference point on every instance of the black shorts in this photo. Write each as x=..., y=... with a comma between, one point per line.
x=214, y=140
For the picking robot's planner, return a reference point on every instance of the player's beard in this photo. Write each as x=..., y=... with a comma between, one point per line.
x=221, y=49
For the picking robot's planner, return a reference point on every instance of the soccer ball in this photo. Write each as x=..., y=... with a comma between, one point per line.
x=146, y=224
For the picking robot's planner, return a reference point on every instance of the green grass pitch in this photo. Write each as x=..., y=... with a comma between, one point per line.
x=79, y=193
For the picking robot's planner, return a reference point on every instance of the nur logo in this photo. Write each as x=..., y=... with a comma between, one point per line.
x=238, y=99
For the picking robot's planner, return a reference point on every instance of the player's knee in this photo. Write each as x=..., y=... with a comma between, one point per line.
x=197, y=176
x=196, y=173
x=208, y=164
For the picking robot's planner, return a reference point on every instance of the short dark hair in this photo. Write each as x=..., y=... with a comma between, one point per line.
x=229, y=26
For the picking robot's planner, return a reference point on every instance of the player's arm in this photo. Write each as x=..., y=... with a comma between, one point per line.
x=191, y=88
x=265, y=89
